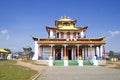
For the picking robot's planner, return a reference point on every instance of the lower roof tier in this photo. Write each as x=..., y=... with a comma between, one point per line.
x=85, y=41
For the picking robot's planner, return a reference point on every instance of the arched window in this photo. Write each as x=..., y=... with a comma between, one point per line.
x=79, y=35
x=68, y=34
x=62, y=35
x=74, y=35
x=57, y=35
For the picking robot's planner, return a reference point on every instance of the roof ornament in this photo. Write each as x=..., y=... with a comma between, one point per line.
x=65, y=17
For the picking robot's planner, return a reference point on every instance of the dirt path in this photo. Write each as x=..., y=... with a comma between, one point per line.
x=39, y=69
x=31, y=66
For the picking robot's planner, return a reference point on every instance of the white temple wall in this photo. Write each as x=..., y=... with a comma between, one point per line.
x=101, y=50
x=52, y=34
x=35, y=56
x=74, y=53
x=97, y=50
x=82, y=34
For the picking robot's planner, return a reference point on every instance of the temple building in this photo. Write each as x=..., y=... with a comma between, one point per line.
x=66, y=41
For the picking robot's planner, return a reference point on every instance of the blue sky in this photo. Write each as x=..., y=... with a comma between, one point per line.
x=21, y=18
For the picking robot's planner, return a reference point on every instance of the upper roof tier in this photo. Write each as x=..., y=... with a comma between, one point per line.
x=66, y=23
x=65, y=19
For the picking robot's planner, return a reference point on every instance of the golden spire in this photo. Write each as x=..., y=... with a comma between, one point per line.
x=64, y=17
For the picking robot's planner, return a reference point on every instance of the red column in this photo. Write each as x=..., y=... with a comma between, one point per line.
x=95, y=51
x=91, y=51
x=77, y=51
x=65, y=56
x=104, y=53
x=51, y=49
x=64, y=50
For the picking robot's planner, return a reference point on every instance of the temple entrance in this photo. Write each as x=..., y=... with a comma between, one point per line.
x=69, y=54
x=57, y=54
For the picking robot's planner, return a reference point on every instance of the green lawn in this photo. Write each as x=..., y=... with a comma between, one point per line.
x=58, y=63
x=87, y=62
x=72, y=63
x=10, y=71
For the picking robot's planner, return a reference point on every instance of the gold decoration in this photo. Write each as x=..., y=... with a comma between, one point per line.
x=80, y=57
x=65, y=57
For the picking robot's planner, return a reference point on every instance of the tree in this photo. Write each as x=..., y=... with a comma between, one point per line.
x=111, y=54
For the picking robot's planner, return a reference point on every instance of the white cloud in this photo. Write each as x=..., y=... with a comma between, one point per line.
x=5, y=31
x=114, y=33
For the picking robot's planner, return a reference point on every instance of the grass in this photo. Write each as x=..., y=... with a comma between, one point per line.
x=33, y=62
x=72, y=63
x=87, y=62
x=58, y=63
x=10, y=71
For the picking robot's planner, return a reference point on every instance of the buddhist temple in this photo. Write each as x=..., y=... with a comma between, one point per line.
x=66, y=41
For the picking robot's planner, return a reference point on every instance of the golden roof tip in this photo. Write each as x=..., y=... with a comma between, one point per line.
x=65, y=17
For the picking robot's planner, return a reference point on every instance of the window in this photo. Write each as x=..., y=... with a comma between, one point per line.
x=78, y=35
x=62, y=35
x=74, y=35
x=68, y=34
x=66, y=24
x=57, y=35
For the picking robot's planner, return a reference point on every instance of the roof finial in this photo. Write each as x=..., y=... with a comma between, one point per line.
x=65, y=17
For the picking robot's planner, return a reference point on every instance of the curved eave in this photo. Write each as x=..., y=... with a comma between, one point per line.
x=35, y=39
x=84, y=41
x=93, y=39
x=84, y=28
x=48, y=28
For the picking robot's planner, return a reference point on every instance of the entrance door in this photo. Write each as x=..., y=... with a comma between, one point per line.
x=69, y=54
x=57, y=54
